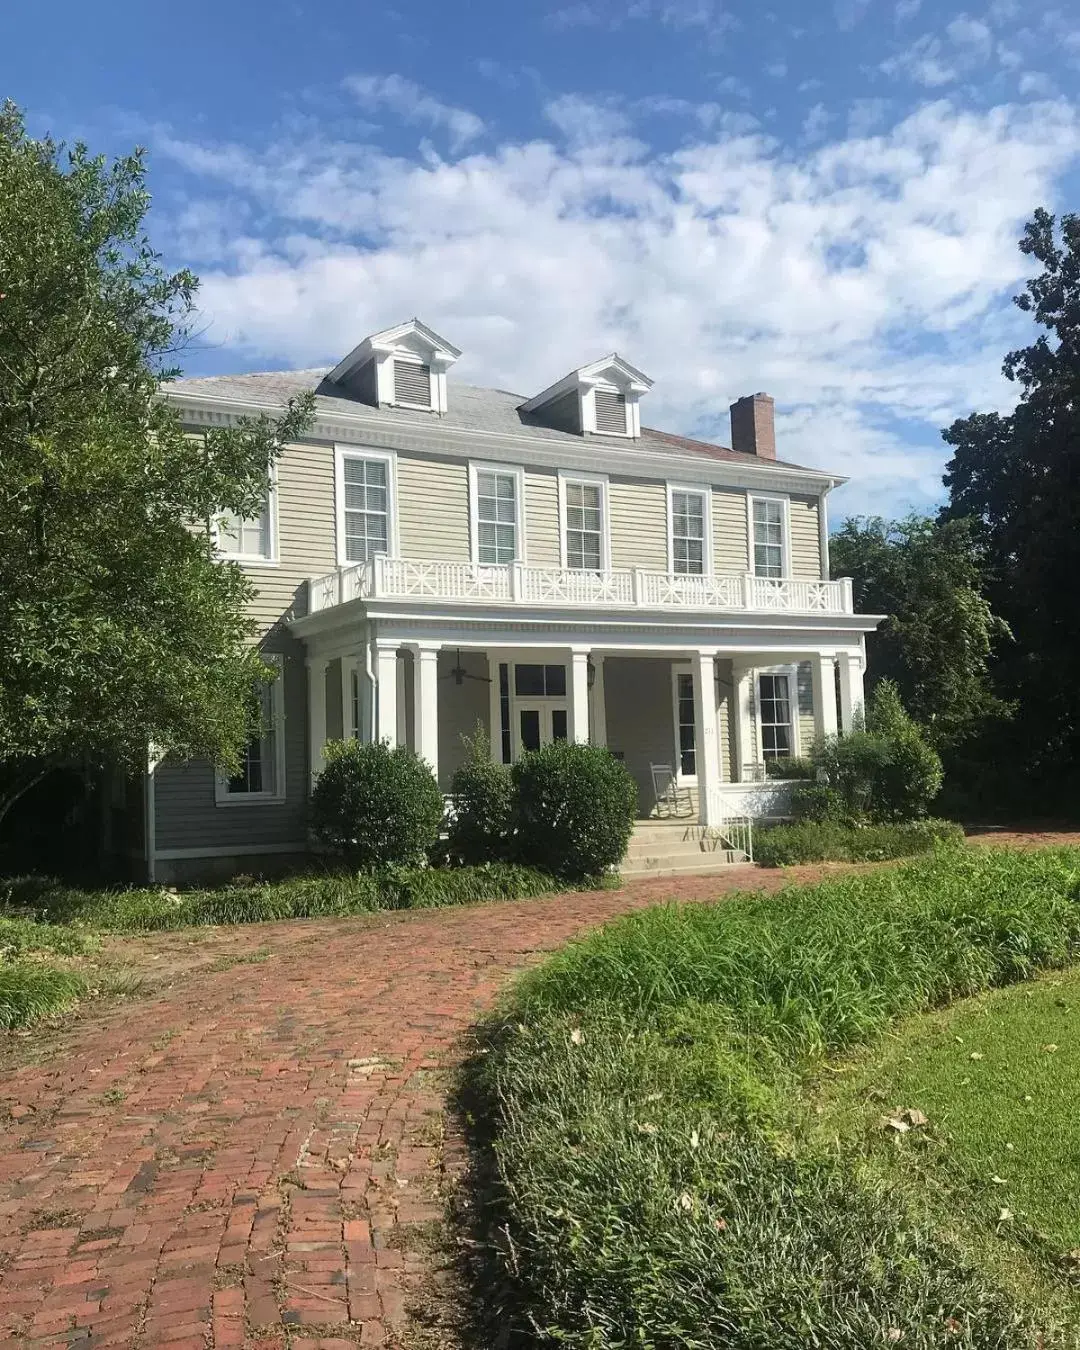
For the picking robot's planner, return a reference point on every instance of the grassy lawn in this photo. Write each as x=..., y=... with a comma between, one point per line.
x=998, y=1079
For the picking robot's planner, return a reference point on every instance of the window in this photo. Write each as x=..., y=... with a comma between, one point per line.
x=412, y=383
x=774, y=716
x=504, y=712
x=496, y=495
x=769, y=529
x=584, y=525
x=365, y=520
x=535, y=681
x=688, y=532
x=610, y=411
x=249, y=539
x=685, y=724
x=261, y=776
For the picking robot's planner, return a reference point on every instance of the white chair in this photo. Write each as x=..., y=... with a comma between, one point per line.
x=671, y=799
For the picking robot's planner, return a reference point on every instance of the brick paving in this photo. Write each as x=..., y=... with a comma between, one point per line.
x=244, y=1158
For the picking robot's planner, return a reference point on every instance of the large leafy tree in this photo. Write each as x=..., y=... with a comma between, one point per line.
x=937, y=640
x=119, y=629
x=1017, y=478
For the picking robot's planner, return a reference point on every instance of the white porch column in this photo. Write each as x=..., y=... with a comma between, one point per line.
x=741, y=677
x=598, y=720
x=851, y=690
x=386, y=694
x=579, y=695
x=823, y=671
x=426, y=704
x=707, y=738
x=316, y=669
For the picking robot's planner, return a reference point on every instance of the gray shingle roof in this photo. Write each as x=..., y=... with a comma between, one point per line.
x=470, y=407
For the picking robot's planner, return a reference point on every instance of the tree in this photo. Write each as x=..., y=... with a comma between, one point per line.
x=938, y=638
x=121, y=630
x=1017, y=478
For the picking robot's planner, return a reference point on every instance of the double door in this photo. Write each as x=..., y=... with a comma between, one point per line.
x=538, y=724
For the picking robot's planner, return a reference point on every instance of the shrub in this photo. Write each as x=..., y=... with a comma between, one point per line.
x=574, y=807
x=797, y=766
x=817, y=802
x=911, y=776
x=482, y=818
x=376, y=806
x=654, y=1180
x=851, y=766
x=832, y=840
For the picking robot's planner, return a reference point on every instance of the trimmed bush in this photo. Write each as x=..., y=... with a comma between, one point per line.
x=817, y=802
x=654, y=1181
x=482, y=817
x=376, y=806
x=575, y=808
x=829, y=840
x=796, y=766
x=911, y=777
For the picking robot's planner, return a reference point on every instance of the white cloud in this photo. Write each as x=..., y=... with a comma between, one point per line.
x=935, y=61
x=907, y=9
x=865, y=285
x=413, y=104
x=816, y=122
x=776, y=70
x=708, y=15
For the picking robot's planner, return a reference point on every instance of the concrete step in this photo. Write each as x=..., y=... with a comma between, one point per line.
x=717, y=862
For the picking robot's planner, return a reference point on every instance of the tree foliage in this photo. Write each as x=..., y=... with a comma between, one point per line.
x=120, y=628
x=939, y=636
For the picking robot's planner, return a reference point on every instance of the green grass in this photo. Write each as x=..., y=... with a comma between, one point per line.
x=829, y=841
x=654, y=1179
x=998, y=1078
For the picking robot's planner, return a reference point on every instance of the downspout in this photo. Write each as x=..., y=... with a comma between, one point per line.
x=369, y=702
x=150, y=818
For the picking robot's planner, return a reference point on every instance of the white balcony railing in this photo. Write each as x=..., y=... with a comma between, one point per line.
x=520, y=584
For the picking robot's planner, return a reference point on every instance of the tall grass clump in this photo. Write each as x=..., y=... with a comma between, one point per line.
x=648, y=1187
x=30, y=991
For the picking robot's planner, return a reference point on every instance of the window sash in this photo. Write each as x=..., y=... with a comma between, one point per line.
x=584, y=526
x=768, y=517
x=496, y=517
x=248, y=536
x=775, y=716
x=259, y=775
x=366, y=508
x=686, y=727
x=688, y=533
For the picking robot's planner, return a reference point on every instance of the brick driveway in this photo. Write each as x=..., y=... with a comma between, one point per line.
x=242, y=1159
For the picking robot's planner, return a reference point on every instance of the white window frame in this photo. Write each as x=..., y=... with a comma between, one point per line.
x=785, y=531
x=255, y=559
x=515, y=471
x=684, y=668
x=707, y=543
x=222, y=795
x=599, y=480
x=792, y=673
x=341, y=454
x=412, y=359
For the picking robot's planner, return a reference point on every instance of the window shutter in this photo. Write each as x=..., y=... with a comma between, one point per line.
x=610, y=411
x=412, y=383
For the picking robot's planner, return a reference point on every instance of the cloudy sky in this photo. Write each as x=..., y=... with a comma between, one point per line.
x=817, y=199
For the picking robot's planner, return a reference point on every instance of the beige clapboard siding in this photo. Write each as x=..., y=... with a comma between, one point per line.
x=805, y=543
x=729, y=530
x=638, y=516
x=433, y=509
x=725, y=720
x=542, y=547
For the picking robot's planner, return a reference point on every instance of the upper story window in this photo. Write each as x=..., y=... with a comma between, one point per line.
x=261, y=776
x=412, y=382
x=496, y=496
x=365, y=506
x=689, y=527
x=610, y=411
x=250, y=539
x=584, y=525
x=768, y=517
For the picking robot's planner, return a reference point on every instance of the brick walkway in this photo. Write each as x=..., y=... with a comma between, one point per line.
x=242, y=1159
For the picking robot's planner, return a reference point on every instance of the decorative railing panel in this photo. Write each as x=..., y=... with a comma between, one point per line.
x=622, y=588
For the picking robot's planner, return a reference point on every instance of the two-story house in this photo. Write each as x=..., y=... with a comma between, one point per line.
x=433, y=556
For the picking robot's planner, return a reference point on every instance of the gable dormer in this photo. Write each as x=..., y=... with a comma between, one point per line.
x=401, y=367
x=600, y=399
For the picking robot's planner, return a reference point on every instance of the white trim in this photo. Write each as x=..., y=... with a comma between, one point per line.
x=227, y=850
x=593, y=480
x=785, y=525
x=222, y=795
x=389, y=458
x=515, y=471
x=792, y=673
x=150, y=816
x=684, y=665
x=707, y=550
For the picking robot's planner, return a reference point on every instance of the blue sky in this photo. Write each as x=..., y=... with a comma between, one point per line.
x=819, y=200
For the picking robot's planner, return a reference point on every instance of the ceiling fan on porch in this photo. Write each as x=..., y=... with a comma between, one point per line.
x=459, y=674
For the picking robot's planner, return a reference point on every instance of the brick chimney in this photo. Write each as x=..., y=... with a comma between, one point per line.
x=753, y=430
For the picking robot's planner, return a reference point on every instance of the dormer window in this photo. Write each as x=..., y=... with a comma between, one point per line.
x=610, y=412
x=412, y=382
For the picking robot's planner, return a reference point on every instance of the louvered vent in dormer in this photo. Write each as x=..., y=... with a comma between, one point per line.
x=610, y=412
x=412, y=383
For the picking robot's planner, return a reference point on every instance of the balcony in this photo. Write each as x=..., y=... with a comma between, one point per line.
x=385, y=578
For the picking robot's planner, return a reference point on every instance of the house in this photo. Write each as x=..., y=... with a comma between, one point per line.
x=432, y=556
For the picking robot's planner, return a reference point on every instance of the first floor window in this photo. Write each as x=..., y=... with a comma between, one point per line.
x=248, y=536
x=688, y=532
x=366, y=508
x=774, y=716
x=496, y=516
x=684, y=709
x=261, y=772
x=584, y=526
x=768, y=517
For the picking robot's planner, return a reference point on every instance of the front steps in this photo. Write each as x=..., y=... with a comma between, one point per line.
x=673, y=848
